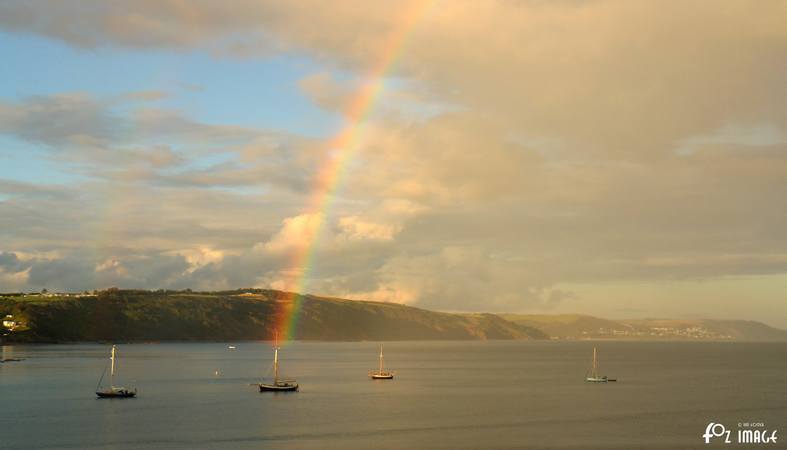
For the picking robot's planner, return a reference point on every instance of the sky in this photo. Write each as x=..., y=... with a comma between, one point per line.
x=620, y=159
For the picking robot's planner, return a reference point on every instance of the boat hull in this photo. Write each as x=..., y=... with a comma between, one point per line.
x=288, y=387
x=600, y=380
x=116, y=394
x=383, y=376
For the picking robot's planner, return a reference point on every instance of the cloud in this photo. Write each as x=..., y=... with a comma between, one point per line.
x=125, y=23
x=33, y=191
x=9, y=262
x=167, y=123
x=13, y=281
x=79, y=271
x=147, y=96
x=112, y=138
x=519, y=147
x=74, y=120
x=358, y=228
x=327, y=92
x=464, y=278
x=599, y=73
x=296, y=234
x=59, y=120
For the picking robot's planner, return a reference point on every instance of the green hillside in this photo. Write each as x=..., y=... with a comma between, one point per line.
x=135, y=315
x=254, y=314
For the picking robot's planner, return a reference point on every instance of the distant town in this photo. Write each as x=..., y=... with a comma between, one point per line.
x=692, y=332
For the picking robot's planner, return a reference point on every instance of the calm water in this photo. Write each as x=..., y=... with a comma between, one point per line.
x=449, y=395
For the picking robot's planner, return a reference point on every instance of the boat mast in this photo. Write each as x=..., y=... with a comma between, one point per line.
x=112, y=370
x=381, y=358
x=276, y=359
x=595, y=364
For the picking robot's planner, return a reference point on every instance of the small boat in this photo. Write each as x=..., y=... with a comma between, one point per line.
x=278, y=385
x=381, y=374
x=11, y=360
x=3, y=359
x=592, y=376
x=112, y=391
x=231, y=347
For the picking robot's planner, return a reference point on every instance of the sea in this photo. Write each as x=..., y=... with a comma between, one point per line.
x=445, y=395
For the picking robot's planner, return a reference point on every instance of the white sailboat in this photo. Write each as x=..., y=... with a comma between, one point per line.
x=592, y=376
x=112, y=391
x=278, y=385
x=381, y=374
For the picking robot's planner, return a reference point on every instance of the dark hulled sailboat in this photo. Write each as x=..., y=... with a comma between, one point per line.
x=112, y=391
x=278, y=385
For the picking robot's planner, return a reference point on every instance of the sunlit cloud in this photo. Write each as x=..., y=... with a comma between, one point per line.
x=517, y=150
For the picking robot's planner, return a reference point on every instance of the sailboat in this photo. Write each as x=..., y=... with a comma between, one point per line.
x=592, y=376
x=3, y=359
x=381, y=374
x=278, y=385
x=112, y=391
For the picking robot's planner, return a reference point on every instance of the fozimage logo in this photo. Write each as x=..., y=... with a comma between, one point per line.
x=748, y=433
x=714, y=430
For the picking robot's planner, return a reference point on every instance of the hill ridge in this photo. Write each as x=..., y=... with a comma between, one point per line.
x=248, y=314
x=252, y=314
x=582, y=326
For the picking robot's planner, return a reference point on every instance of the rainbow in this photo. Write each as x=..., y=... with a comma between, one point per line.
x=342, y=147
